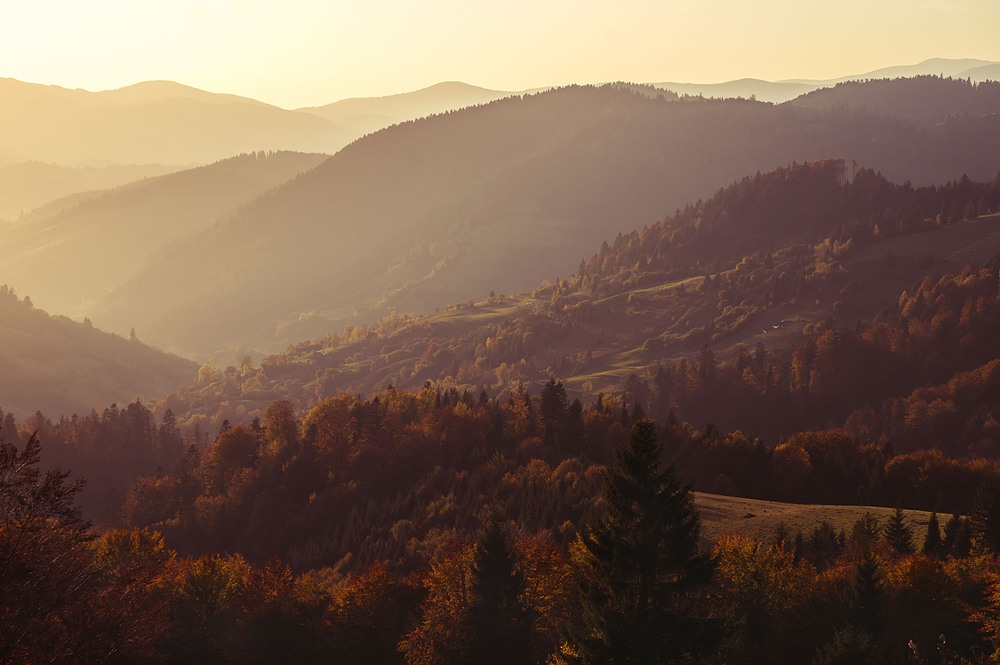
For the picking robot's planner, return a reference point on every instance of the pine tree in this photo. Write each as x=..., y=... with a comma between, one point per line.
x=867, y=598
x=957, y=541
x=640, y=564
x=865, y=533
x=932, y=541
x=554, y=408
x=899, y=534
x=498, y=620
x=985, y=517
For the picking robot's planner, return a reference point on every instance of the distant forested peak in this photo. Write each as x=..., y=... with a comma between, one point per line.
x=920, y=99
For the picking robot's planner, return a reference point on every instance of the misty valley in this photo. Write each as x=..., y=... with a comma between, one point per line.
x=620, y=373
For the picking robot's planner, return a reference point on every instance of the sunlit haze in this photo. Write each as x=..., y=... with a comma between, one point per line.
x=311, y=52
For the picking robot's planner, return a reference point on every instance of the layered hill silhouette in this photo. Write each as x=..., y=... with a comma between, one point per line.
x=30, y=185
x=770, y=262
x=153, y=122
x=782, y=91
x=921, y=100
x=58, y=366
x=372, y=113
x=498, y=198
x=74, y=250
x=162, y=122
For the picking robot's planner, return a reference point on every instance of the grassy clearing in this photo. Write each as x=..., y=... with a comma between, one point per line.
x=937, y=243
x=722, y=515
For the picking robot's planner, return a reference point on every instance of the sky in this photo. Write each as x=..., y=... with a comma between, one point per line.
x=298, y=53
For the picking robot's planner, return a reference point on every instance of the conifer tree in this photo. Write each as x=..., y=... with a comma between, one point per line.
x=932, y=541
x=899, y=534
x=639, y=565
x=499, y=624
x=957, y=539
x=985, y=517
x=867, y=598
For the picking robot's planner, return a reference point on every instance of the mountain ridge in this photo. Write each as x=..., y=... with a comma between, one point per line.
x=498, y=198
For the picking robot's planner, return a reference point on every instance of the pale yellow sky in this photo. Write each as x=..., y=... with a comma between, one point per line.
x=309, y=52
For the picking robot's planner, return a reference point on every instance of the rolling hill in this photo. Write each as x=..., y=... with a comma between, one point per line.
x=496, y=198
x=30, y=185
x=783, y=91
x=909, y=98
x=769, y=262
x=373, y=113
x=70, y=252
x=57, y=366
x=154, y=122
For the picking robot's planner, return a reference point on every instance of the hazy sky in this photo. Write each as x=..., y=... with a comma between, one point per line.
x=308, y=52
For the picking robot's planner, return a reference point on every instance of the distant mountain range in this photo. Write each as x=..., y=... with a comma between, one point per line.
x=169, y=123
x=471, y=191
x=56, y=142
x=500, y=197
x=782, y=91
x=154, y=122
x=49, y=134
x=374, y=113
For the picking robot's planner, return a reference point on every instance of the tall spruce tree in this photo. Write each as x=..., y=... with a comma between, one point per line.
x=932, y=541
x=640, y=566
x=985, y=517
x=957, y=539
x=499, y=624
x=899, y=534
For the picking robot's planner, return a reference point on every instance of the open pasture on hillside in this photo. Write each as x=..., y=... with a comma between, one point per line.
x=727, y=515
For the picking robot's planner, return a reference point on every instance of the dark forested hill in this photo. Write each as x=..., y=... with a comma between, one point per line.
x=496, y=198
x=70, y=252
x=58, y=366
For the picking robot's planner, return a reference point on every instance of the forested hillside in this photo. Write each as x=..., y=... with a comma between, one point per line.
x=802, y=250
x=57, y=366
x=911, y=99
x=72, y=251
x=497, y=198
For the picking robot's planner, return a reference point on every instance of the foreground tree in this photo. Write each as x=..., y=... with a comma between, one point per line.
x=640, y=567
x=61, y=597
x=476, y=611
x=498, y=621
